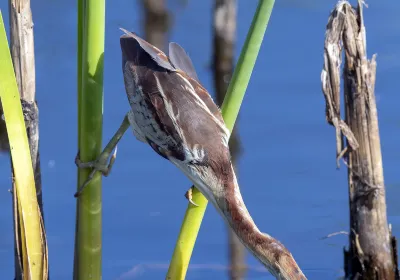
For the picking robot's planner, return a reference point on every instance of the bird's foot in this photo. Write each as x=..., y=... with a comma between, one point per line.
x=189, y=196
x=101, y=164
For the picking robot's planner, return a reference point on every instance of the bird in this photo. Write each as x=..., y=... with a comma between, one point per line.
x=175, y=115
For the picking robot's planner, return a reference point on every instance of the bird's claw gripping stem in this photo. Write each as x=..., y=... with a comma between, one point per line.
x=101, y=164
x=189, y=196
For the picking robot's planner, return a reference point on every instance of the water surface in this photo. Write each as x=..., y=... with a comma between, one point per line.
x=287, y=171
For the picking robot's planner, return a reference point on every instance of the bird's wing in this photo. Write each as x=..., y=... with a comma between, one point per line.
x=176, y=113
x=190, y=115
x=137, y=50
x=181, y=60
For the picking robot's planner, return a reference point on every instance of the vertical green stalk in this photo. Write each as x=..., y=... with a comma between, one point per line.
x=230, y=110
x=81, y=15
x=91, y=24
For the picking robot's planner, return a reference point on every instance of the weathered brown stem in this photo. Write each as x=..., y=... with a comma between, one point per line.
x=371, y=253
x=22, y=52
x=224, y=29
x=156, y=22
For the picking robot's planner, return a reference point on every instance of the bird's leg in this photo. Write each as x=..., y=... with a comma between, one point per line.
x=189, y=196
x=101, y=164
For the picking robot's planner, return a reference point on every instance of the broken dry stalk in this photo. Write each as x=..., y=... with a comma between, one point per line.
x=23, y=57
x=371, y=254
x=32, y=263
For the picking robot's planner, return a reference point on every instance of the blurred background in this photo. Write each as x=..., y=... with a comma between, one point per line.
x=285, y=149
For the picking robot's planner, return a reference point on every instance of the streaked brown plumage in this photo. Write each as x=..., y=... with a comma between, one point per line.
x=175, y=115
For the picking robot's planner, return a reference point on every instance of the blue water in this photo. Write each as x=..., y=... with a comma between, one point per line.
x=287, y=171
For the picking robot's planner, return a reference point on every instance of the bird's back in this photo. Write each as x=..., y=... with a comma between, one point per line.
x=173, y=110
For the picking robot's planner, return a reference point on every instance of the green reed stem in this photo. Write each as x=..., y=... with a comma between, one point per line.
x=91, y=28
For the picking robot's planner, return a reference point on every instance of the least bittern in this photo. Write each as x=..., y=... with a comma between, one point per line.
x=173, y=113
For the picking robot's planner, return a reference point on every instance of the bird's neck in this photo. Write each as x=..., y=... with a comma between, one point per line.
x=268, y=250
x=217, y=181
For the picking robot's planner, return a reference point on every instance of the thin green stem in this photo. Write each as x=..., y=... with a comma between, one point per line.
x=91, y=24
x=230, y=110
